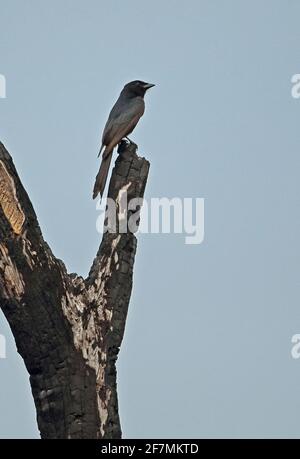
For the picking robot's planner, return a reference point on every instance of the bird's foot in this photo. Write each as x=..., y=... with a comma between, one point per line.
x=122, y=146
x=126, y=144
x=130, y=141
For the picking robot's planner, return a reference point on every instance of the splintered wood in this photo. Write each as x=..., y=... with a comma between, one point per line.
x=9, y=202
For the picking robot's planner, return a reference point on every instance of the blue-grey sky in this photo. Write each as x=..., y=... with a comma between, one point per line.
x=207, y=348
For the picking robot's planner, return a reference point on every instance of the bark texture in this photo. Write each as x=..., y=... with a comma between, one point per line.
x=68, y=329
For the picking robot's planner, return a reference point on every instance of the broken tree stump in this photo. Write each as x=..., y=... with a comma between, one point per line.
x=67, y=329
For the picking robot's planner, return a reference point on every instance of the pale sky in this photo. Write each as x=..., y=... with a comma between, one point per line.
x=207, y=347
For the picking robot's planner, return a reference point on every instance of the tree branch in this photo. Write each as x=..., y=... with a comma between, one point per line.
x=68, y=329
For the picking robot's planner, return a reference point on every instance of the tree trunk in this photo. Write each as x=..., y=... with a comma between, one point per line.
x=68, y=329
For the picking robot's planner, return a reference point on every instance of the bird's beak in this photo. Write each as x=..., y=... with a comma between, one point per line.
x=148, y=85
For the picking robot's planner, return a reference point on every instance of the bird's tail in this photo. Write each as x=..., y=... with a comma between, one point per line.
x=102, y=174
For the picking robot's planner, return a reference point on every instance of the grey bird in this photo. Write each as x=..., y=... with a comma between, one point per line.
x=122, y=119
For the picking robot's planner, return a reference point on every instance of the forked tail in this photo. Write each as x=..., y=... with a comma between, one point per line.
x=102, y=174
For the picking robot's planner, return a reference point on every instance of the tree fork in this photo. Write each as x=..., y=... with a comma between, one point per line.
x=67, y=329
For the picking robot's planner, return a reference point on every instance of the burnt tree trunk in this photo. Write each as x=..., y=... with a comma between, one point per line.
x=68, y=329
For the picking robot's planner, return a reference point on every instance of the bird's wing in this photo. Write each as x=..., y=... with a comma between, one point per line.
x=122, y=120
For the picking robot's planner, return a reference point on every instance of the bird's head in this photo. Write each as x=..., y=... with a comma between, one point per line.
x=137, y=88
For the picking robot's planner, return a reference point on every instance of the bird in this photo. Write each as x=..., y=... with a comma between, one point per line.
x=122, y=120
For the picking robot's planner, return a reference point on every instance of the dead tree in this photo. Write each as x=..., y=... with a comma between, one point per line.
x=67, y=329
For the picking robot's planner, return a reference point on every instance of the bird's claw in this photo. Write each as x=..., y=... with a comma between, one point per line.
x=131, y=142
x=125, y=143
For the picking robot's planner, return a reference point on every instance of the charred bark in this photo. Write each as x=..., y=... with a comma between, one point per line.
x=67, y=329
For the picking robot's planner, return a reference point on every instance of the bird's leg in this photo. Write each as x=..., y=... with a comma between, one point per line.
x=122, y=146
